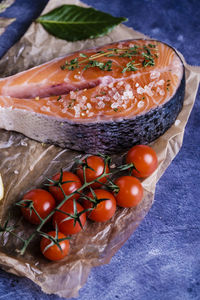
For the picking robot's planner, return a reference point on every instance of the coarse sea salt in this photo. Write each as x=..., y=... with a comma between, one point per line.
x=160, y=91
x=110, y=85
x=101, y=104
x=77, y=111
x=140, y=104
x=140, y=90
x=160, y=82
x=114, y=105
x=84, y=98
x=127, y=95
x=119, y=84
x=72, y=95
x=148, y=90
x=89, y=106
x=64, y=110
x=90, y=114
x=154, y=74
x=127, y=87
x=77, y=77
x=116, y=96
x=45, y=108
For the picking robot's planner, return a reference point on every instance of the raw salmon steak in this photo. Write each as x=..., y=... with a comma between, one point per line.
x=99, y=100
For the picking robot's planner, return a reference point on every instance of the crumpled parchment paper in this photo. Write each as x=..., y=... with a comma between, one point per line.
x=25, y=164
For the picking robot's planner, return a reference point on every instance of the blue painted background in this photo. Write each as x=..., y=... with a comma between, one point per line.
x=161, y=260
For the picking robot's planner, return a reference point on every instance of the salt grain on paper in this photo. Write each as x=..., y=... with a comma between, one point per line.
x=23, y=143
x=112, y=166
x=177, y=122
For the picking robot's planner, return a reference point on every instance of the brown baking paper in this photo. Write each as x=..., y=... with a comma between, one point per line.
x=25, y=164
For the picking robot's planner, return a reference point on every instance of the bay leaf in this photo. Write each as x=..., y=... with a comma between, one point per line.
x=73, y=23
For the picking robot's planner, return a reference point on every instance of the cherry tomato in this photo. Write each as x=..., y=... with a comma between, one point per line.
x=105, y=209
x=67, y=227
x=54, y=252
x=68, y=188
x=97, y=164
x=130, y=191
x=42, y=201
x=144, y=159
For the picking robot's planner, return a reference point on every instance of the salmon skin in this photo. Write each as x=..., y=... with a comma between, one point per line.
x=99, y=100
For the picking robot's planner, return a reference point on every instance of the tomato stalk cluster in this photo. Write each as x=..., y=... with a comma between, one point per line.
x=75, y=216
x=120, y=194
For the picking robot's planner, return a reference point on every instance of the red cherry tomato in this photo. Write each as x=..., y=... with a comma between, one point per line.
x=130, y=191
x=42, y=201
x=67, y=227
x=105, y=209
x=144, y=159
x=53, y=252
x=97, y=164
x=68, y=188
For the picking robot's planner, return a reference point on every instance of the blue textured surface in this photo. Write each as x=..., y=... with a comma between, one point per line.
x=161, y=260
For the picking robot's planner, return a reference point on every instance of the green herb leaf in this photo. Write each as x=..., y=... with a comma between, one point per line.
x=83, y=55
x=73, y=23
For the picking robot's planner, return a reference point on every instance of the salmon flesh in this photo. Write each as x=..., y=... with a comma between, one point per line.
x=104, y=99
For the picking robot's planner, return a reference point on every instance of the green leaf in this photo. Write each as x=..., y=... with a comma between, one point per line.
x=73, y=23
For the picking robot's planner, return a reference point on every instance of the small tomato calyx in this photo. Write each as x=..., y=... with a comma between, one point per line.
x=102, y=203
x=93, y=169
x=64, y=184
x=130, y=191
x=54, y=245
x=144, y=159
x=36, y=205
x=70, y=218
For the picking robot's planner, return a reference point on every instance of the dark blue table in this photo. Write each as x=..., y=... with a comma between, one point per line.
x=162, y=258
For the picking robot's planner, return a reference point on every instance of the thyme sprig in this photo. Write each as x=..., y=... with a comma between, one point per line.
x=130, y=66
x=91, y=61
